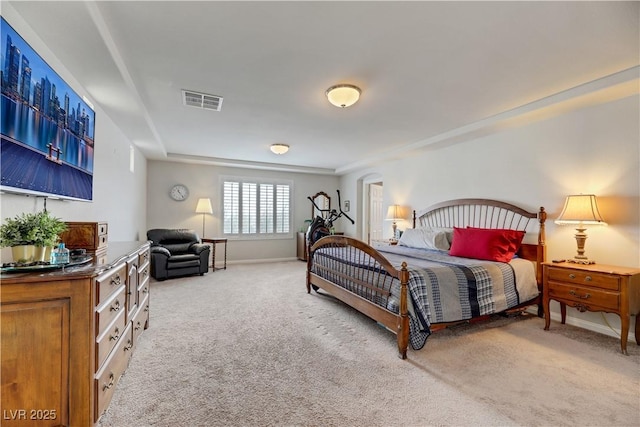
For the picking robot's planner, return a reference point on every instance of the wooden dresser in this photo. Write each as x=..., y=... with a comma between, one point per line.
x=68, y=336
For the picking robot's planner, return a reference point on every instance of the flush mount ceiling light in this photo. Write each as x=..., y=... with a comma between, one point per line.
x=343, y=96
x=279, y=148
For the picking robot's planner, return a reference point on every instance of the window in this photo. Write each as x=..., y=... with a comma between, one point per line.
x=256, y=208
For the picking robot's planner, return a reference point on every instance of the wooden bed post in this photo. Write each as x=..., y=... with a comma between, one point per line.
x=403, y=319
x=307, y=248
x=542, y=253
x=541, y=256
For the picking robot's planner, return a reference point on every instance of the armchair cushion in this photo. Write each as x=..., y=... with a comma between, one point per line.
x=177, y=252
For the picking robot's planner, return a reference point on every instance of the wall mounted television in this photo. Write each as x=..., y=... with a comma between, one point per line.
x=47, y=129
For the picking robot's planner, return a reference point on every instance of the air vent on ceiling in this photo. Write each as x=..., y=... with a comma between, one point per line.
x=201, y=100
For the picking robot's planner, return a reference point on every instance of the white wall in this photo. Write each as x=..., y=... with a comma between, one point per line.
x=119, y=195
x=204, y=181
x=589, y=149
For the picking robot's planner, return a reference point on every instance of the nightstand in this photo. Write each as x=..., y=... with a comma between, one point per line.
x=594, y=287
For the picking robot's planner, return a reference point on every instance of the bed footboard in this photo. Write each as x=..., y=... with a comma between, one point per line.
x=367, y=282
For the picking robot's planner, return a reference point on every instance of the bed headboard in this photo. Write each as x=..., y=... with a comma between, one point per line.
x=486, y=213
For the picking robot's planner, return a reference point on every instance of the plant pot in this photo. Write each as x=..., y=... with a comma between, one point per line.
x=42, y=254
x=23, y=253
x=48, y=251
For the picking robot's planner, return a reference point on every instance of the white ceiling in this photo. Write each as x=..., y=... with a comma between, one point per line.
x=425, y=69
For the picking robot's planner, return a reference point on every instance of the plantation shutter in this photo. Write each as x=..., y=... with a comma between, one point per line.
x=260, y=209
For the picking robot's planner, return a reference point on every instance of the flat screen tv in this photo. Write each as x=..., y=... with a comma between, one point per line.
x=47, y=129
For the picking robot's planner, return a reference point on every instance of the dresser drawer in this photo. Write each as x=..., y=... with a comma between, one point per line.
x=110, y=309
x=107, y=283
x=143, y=274
x=141, y=320
x=143, y=257
x=109, y=338
x=587, y=278
x=143, y=291
x=590, y=298
x=106, y=379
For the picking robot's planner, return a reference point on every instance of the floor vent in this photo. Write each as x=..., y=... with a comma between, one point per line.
x=201, y=100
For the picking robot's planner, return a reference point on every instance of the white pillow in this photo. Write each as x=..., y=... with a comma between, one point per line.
x=427, y=238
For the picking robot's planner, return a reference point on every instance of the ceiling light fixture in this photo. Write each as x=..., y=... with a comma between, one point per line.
x=279, y=148
x=343, y=96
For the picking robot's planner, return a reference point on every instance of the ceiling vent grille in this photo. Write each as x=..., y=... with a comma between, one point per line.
x=201, y=100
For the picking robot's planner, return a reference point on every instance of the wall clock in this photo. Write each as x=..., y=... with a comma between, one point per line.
x=179, y=192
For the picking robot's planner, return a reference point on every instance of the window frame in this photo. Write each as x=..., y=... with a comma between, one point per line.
x=257, y=215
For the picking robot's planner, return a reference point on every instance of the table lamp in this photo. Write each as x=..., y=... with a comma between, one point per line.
x=395, y=213
x=580, y=210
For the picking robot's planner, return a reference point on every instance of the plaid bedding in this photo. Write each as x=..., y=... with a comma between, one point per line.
x=443, y=288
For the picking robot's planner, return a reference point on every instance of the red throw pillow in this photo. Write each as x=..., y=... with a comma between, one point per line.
x=514, y=236
x=484, y=243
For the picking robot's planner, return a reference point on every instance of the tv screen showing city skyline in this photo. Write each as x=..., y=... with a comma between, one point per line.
x=47, y=128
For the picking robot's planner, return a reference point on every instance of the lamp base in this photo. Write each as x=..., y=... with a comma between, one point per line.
x=581, y=238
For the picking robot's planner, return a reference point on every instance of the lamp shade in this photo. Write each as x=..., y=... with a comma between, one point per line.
x=396, y=212
x=279, y=148
x=580, y=209
x=204, y=206
x=343, y=95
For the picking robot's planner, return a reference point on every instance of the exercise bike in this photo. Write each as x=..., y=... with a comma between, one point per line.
x=321, y=226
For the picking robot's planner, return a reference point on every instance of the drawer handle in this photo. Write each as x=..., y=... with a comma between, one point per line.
x=106, y=387
x=146, y=308
x=116, y=336
x=128, y=347
x=145, y=290
x=116, y=306
x=582, y=307
x=116, y=280
x=587, y=279
x=572, y=276
x=575, y=294
x=138, y=326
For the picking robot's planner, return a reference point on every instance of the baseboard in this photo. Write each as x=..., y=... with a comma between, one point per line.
x=263, y=260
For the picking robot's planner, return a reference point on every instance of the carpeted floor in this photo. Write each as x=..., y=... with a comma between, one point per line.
x=247, y=346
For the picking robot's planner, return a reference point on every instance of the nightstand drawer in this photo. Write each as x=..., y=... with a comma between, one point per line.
x=586, y=278
x=588, y=297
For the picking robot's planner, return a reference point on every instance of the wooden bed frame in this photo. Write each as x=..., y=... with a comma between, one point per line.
x=374, y=282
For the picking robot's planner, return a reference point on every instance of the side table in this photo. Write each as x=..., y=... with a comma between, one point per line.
x=594, y=287
x=213, y=243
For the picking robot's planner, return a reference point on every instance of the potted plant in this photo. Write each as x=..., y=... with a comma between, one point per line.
x=26, y=231
x=19, y=234
x=47, y=232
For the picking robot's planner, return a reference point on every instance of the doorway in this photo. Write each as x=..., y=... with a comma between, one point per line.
x=374, y=211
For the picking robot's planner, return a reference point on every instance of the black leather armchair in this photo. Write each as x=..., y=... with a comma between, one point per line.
x=177, y=252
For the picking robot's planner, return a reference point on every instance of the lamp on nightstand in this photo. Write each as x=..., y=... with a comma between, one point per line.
x=581, y=210
x=395, y=213
x=204, y=207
